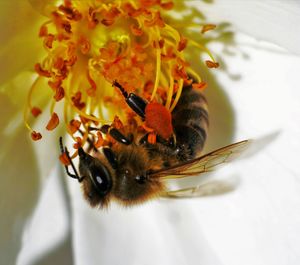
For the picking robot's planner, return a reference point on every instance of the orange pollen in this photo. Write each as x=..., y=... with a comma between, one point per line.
x=117, y=123
x=59, y=63
x=41, y=71
x=207, y=27
x=211, y=64
x=54, y=85
x=63, y=158
x=155, y=21
x=78, y=143
x=167, y=5
x=182, y=43
x=136, y=31
x=159, y=118
x=74, y=126
x=92, y=20
x=151, y=138
x=200, y=86
x=92, y=90
x=76, y=99
x=43, y=31
x=36, y=136
x=53, y=122
x=59, y=93
x=35, y=111
x=182, y=62
x=48, y=41
x=84, y=44
x=107, y=22
x=100, y=140
x=70, y=13
x=179, y=72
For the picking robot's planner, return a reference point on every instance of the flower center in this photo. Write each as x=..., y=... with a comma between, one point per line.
x=90, y=44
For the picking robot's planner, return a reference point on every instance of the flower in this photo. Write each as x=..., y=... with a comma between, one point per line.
x=90, y=46
x=270, y=218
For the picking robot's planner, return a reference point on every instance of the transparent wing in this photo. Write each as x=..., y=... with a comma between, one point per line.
x=216, y=187
x=204, y=163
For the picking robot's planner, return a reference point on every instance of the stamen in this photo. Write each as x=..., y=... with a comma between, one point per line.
x=33, y=87
x=100, y=140
x=74, y=126
x=36, y=111
x=203, y=48
x=211, y=64
x=178, y=94
x=157, y=74
x=59, y=93
x=170, y=91
x=36, y=136
x=207, y=27
x=182, y=43
x=167, y=5
x=90, y=43
x=200, y=86
x=38, y=68
x=53, y=122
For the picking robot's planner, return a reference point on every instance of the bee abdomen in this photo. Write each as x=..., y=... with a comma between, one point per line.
x=190, y=122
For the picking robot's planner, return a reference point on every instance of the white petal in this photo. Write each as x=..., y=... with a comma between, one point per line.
x=270, y=20
x=163, y=232
x=19, y=183
x=259, y=220
x=46, y=237
x=256, y=224
x=20, y=172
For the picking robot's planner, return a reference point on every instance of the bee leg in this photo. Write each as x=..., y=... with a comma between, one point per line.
x=110, y=156
x=118, y=136
x=115, y=133
x=172, y=140
x=136, y=103
x=65, y=150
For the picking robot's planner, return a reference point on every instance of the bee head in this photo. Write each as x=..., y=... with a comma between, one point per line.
x=132, y=183
x=97, y=180
x=120, y=174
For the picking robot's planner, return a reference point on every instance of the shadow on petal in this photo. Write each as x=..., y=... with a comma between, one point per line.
x=20, y=184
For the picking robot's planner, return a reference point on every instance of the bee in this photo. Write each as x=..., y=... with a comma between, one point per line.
x=135, y=169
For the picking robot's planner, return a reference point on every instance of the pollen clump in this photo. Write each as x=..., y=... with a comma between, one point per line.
x=159, y=118
x=90, y=44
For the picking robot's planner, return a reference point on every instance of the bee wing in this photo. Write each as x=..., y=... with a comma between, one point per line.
x=202, y=164
x=216, y=187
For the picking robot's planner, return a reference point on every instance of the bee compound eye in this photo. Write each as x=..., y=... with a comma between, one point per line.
x=101, y=179
x=141, y=179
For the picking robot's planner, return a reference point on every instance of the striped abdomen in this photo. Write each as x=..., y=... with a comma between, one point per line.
x=190, y=122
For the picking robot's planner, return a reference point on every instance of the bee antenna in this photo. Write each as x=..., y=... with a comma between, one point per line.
x=118, y=85
x=65, y=150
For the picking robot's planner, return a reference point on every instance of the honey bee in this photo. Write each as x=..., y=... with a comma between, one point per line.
x=134, y=169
